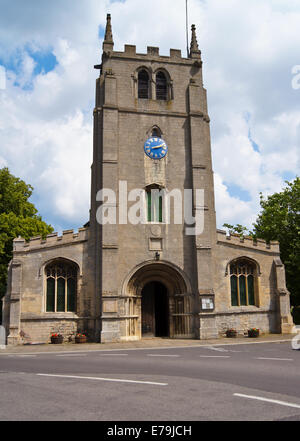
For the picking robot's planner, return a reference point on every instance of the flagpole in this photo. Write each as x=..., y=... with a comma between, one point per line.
x=187, y=28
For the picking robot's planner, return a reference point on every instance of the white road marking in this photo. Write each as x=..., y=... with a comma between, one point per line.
x=23, y=356
x=162, y=355
x=114, y=355
x=268, y=400
x=214, y=356
x=278, y=359
x=104, y=379
x=72, y=355
x=217, y=349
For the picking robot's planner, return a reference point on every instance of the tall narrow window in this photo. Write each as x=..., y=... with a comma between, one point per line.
x=143, y=84
x=161, y=86
x=154, y=201
x=61, y=282
x=234, y=291
x=242, y=282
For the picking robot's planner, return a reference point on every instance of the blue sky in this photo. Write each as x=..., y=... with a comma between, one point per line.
x=48, y=51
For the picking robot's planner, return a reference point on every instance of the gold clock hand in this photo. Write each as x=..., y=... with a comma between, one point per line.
x=158, y=146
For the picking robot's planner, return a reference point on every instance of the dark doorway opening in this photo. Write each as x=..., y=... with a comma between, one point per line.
x=155, y=310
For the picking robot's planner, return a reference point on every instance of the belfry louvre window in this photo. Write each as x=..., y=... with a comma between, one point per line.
x=161, y=86
x=243, y=282
x=61, y=287
x=143, y=84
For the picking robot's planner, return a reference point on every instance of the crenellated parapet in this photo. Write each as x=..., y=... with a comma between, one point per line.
x=51, y=240
x=247, y=242
x=152, y=53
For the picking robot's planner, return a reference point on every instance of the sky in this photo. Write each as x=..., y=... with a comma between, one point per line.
x=251, y=66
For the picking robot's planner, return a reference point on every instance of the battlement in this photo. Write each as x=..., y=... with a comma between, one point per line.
x=247, y=242
x=151, y=55
x=151, y=50
x=68, y=237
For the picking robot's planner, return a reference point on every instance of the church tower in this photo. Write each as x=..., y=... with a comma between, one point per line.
x=151, y=132
x=150, y=261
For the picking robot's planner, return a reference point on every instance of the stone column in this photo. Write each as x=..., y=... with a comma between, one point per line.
x=286, y=321
x=14, y=302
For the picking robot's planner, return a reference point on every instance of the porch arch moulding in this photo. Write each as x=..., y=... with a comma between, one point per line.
x=175, y=280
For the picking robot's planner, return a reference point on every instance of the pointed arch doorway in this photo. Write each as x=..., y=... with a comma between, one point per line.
x=155, y=310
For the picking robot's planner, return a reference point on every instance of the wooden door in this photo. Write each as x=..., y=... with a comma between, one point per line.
x=148, y=312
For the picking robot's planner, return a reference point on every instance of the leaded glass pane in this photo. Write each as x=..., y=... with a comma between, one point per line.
x=242, y=286
x=160, y=210
x=71, y=284
x=233, y=269
x=234, y=291
x=60, y=295
x=251, y=297
x=50, y=301
x=149, y=206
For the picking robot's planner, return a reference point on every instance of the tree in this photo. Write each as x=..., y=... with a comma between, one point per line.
x=18, y=217
x=237, y=229
x=280, y=220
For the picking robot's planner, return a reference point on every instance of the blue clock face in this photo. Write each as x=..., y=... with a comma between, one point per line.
x=155, y=148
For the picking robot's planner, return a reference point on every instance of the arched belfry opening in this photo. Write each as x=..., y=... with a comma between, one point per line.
x=143, y=84
x=156, y=132
x=160, y=302
x=161, y=86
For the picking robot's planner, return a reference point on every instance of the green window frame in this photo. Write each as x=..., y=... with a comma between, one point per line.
x=61, y=287
x=243, y=283
x=154, y=202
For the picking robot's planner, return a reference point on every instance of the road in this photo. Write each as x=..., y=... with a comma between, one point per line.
x=253, y=382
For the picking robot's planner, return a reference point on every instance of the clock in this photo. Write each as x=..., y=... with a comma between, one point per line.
x=155, y=148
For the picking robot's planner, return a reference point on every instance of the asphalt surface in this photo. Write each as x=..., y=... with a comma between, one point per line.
x=233, y=382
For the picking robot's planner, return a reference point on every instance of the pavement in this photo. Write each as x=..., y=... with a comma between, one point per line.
x=143, y=344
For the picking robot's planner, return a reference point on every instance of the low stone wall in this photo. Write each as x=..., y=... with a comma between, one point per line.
x=266, y=322
x=39, y=330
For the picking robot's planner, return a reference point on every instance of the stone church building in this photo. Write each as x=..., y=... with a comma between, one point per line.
x=121, y=281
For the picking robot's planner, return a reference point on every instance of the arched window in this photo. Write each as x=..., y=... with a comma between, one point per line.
x=61, y=286
x=156, y=132
x=154, y=204
x=243, y=275
x=161, y=86
x=143, y=84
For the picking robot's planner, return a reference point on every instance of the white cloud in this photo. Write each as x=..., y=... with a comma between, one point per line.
x=248, y=49
x=231, y=209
